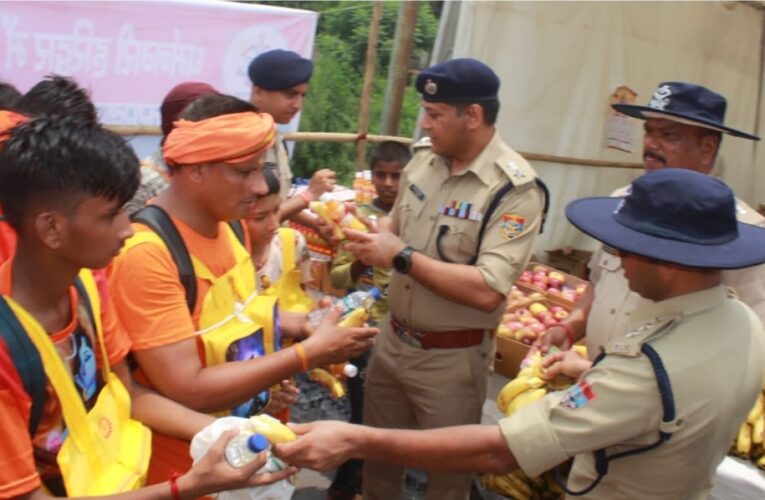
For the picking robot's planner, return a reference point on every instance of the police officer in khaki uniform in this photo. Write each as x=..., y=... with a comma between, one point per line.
x=280, y=81
x=657, y=412
x=683, y=127
x=455, y=260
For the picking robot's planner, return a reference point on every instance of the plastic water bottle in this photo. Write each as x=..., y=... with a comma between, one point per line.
x=244, y=448
x=349, y=303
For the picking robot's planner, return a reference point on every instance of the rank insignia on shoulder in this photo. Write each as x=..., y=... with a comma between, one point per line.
x=577, y=396
x=417, y=192
x=516, y=171
x=512, y=225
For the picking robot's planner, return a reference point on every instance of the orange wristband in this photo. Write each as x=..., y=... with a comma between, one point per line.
x=569, y=333
x=302, y=357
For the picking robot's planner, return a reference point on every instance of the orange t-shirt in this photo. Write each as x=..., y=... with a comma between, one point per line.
x=151, y=303
x=148, y=295
x=25, y=462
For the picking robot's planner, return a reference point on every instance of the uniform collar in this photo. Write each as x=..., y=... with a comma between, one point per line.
x=482, y=165
x=682, y=305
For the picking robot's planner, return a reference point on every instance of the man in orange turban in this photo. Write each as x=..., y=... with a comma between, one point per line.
x=216, y=156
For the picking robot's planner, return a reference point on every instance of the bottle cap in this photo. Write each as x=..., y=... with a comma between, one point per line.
x=375, y=293
x=350, y=370
x=257, y=443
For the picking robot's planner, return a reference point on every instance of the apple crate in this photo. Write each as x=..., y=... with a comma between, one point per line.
x=552, y=282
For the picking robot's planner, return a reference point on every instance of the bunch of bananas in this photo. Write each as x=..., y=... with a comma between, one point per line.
x=750, y=441
x=518, y=486
x=528, y=386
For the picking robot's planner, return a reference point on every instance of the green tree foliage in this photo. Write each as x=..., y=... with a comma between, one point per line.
x=334, y=95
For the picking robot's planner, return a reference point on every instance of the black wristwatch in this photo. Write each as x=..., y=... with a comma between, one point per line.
x=402, y=261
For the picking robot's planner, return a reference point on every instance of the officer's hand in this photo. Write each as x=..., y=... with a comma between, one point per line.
x=568, y=363
x=376, y=250
x=213, y=473
x=322, y=181
x=330, y=343
x=320, y=445
x=553, y=336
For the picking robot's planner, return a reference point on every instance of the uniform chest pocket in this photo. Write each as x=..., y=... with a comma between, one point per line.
x=609, y=263
x=457, y=240
x=410, y=210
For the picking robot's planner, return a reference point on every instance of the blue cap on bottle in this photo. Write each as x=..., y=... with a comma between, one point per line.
x=375, y=293
x=257, y=443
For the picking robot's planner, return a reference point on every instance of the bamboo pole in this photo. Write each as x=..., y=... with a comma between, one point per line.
x=340, y=137
x=398, y=68
x=366, y=90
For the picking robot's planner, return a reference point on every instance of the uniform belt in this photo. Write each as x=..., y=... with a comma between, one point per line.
x=453, y=339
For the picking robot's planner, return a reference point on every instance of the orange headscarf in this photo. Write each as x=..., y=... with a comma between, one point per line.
x=8, y=121
x=231, y=138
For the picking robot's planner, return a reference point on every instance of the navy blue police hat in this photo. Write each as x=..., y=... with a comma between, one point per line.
x=279, y=69
x=458, y=80
x=673, y=215
x=685, y=103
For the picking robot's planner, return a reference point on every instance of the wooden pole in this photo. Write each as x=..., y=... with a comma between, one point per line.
x=131, y=130
x=366, y=91
x=398, y=68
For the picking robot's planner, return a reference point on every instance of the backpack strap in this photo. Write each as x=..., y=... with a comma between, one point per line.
x=160, y=222
x=27, y=360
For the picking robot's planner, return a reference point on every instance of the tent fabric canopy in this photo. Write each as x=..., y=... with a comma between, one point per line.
x=560, y=61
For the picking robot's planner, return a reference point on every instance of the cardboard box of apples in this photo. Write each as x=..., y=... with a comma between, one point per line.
x=552, y=283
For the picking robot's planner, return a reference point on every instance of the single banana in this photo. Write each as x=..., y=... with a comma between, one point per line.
x=758, y=430
x=756, y=410
x=744, y=440
x=516, y=387
x=761, y=462
x=333, y=385
x=355, y=318
x=524, y=399
x=275, y=431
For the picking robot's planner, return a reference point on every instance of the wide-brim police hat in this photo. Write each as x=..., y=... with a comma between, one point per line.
x=685, y=103
x=673, y=215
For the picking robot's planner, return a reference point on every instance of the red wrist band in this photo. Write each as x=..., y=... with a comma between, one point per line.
x=174, y=486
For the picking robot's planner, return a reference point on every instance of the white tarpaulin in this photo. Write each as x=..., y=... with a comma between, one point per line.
x=560, y=61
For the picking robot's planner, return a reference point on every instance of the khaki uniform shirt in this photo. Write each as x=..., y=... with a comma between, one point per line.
x=711, y=346
x=427, y=192
x=278, y=154
x=614, y=301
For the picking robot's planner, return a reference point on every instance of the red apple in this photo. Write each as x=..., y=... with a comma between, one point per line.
x=538, y=328
x=522, y=312
x=551, y=321
x=556, y=308
x=514, y=325
x=553, y=290
x=554, y=282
